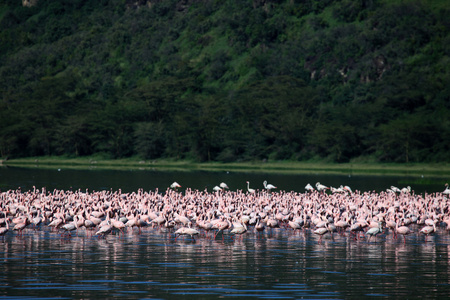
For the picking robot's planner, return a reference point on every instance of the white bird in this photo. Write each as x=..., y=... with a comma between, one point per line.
x=395, y=189
x=337, y=190
x=239, y=228
x=406, y=190
x=249, y=189
x=175, y=185
x=268, y=186
x=348, y=189
x=217, y=188
x=309, y=188
x=447, y=190
x=223, y=185
x=320, y=187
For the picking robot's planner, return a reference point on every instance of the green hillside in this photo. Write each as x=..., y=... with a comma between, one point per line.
x=207, y=80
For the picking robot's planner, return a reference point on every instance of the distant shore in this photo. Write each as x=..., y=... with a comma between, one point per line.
x=292, y=167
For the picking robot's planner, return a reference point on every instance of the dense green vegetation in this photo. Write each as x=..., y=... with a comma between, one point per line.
x=349, y=80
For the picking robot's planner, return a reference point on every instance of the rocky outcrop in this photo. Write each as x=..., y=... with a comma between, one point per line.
x=29, y=3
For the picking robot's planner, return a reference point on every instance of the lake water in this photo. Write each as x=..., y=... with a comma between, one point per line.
x=129, y=181
x=276, y=265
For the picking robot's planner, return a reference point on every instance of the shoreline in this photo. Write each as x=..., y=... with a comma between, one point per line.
x=281, y=167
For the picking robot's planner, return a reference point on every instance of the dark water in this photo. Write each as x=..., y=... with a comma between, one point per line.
x=276, y=265
x=129, y=181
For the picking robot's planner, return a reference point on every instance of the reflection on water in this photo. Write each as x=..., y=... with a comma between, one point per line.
x=279, y=264
x=133, y=180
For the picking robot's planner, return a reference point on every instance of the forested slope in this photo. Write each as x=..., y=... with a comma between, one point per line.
x=207, y=80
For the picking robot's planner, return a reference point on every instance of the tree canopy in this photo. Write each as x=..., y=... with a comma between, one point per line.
x=226, y=80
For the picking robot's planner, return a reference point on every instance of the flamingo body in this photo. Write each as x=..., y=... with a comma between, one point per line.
x=268, y=186
x=252, y=191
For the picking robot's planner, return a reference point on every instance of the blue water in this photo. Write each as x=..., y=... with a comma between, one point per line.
x=276, y=265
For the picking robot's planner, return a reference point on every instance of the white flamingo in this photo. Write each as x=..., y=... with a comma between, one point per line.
x=309, y=188
x=406, y=189
x=217, y=188
x=395, y=189
x=320, y=187
x=447, y=190
x=249, y=189
x=268, y=186
x=348, y=189
x=239, y=228
x=223, y=185
x=175, y=185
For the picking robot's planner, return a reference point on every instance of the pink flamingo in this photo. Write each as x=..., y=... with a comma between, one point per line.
x=187, y=231
x=259, y=227
x=4, y=230
x=239, y=228
x=19, y=227
x=70, y=226
x=294, y=225
x=321, y=232
x=374, y=231
x=221, y=225
x=403, y=230
x=104, y=230
x=427, y=230
x=119, y=225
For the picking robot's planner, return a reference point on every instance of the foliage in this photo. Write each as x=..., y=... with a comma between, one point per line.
x=226, y=80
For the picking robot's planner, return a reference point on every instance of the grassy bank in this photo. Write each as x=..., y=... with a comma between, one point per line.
x=441, y=170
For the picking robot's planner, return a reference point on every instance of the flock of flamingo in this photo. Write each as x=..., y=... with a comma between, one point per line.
x=321, y=210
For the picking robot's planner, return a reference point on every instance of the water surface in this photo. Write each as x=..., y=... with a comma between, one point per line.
x=277, y=265
x=132, y=180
